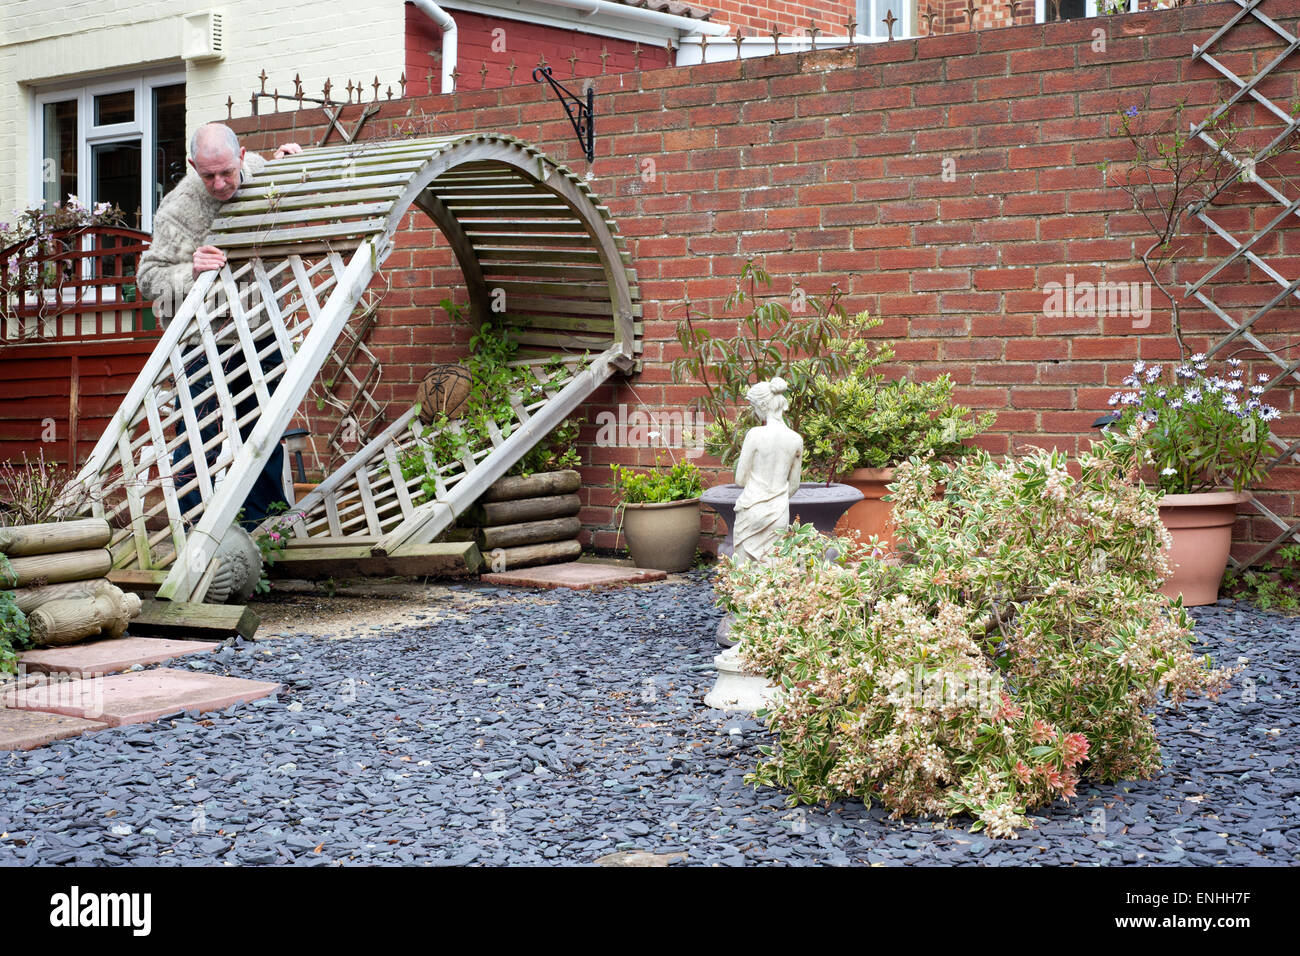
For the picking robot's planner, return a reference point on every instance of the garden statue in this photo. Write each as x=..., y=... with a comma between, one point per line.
x=769, y=470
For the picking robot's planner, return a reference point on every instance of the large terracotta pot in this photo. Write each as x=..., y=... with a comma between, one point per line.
x=1201, y=526
x=662, y=535
x=871, y=515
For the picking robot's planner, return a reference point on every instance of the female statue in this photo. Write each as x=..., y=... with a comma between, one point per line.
x=769, y=470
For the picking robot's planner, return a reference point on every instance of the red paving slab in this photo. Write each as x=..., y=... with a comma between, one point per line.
x=110, y=656
x=138, y=697
x=579, y=575
x=25, y=729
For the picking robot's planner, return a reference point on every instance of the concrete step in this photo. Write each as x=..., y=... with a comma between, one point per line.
x=135, y=698
x=110, y=656
x=26, y=729
x=578, y=575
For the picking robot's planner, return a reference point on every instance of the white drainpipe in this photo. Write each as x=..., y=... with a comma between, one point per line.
x=640, y=15
x=448, y=27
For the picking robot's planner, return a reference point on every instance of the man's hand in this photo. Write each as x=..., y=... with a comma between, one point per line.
x=288, y=149
x=207, y=258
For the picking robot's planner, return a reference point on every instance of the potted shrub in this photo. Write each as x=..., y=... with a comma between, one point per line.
x=864, y=427
x=1207, y=437
x=661, y=514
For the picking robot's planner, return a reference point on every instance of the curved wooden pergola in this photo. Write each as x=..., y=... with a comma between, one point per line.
x=303, y=242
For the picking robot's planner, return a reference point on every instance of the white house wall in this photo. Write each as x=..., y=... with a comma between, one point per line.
x=46, y=43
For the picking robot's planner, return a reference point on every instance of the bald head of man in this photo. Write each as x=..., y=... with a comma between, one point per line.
x=217, y=157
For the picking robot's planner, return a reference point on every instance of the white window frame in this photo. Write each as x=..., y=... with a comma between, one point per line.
x=88, y=135
x=1089, y=9
x=870, y=25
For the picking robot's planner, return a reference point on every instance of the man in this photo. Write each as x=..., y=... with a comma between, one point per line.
x=175, y=258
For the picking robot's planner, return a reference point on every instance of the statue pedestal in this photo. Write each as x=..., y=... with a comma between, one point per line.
x=736, y=689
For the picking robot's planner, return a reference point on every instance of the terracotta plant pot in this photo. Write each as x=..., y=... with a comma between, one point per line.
x=663, y=535
x=1201, y=525
x=871, y=515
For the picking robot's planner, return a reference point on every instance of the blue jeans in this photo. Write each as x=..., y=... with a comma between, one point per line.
x=268, y=489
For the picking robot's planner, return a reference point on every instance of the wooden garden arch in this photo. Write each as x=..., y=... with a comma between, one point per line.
x=303, y=242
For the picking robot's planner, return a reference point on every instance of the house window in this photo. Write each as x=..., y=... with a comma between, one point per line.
x=872, y=14
x=119, y=141
x=1048, y=11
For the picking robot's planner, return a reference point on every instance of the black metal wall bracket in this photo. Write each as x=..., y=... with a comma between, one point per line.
x=581, y=115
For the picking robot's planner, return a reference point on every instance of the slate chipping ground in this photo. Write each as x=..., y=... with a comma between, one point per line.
x=558, y=727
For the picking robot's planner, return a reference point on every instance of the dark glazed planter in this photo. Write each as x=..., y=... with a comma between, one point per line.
x=815, y=503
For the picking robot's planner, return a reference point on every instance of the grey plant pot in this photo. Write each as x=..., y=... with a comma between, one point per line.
x=662, y=535
x=814, y=502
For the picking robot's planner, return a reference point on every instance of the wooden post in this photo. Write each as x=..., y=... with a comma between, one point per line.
x=54, y=537
x=74, y=619
x=56, y=568
x=29, y=599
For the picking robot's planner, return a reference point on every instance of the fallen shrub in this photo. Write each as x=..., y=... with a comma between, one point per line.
x=1019, y=646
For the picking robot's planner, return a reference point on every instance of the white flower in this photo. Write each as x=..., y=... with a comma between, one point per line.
x=1192, y=395
x=1235, y=385
x=1175, y=403
x=1129, y=398
x=1234, y=362
x=1262, y=377
x=1113, y=399
x=1169, y=471
x=1257, y=390
x=1198, y=358
x=1268, y=413
x=1161, y=393
x=1131, y=380
x=1153, y=373
x=1212, y=385
x=1184, y=371
x=1139, y=367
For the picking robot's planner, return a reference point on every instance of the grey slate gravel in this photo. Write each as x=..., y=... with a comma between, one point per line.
x=557, y=727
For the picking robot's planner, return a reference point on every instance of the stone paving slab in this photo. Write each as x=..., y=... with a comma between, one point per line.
x=139, y=697
x=26, y=729
x=578, y=575
x=110, y=656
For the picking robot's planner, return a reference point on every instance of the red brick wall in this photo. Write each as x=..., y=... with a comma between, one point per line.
x=496, y=43
x=828, y=167
x=757, y=19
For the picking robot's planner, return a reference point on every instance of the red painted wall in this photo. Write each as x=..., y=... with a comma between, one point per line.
x=828, y=167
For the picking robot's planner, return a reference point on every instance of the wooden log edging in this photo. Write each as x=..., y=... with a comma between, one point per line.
x=24, y=540
x=57, y=568
x=521, y=522
x=67, y=621
x=542, y=485
x=57, y=576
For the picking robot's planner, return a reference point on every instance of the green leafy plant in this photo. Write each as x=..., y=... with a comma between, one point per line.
x=558, y=451
x=819, y=344
x=1205, y=431
x=14, y=632
x=274, y=541
x=1274, y=585
x=865, y=422
x=1020, y=644
x=493, y=381
x=681, y=482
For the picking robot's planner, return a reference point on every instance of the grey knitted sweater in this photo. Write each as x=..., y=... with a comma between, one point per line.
x=166, y=270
